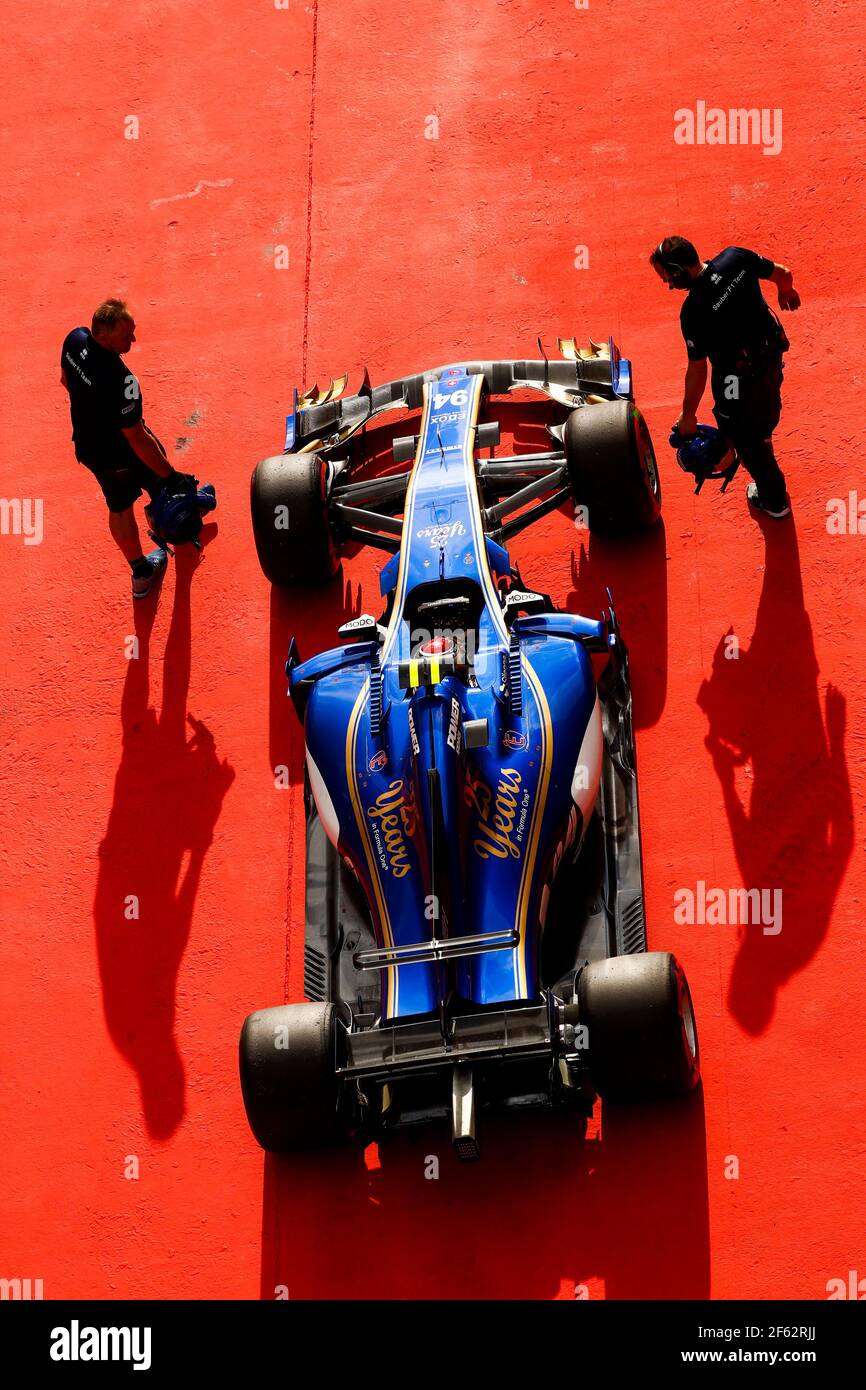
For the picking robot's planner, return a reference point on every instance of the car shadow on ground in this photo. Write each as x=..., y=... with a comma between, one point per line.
x=778, y=751
x=635, y=571
x=544, y=1212
x=312, y=616
x=168, y=794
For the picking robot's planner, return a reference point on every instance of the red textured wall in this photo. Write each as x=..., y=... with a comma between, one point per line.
x=307, y=128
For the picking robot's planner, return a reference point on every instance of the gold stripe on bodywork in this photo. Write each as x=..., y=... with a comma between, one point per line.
x=524, y=895
x=392, y=982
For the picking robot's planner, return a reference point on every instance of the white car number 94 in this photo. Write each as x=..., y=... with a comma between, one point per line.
x=455, y=397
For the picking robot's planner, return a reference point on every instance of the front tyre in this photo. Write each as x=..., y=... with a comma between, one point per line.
x=612, y=468
x=290, y=520
x=642, y=1038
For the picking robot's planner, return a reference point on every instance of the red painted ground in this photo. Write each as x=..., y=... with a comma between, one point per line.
x=153, y=777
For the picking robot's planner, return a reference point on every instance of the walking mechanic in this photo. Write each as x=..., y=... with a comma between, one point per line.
x=726, y=320
x=109, y=433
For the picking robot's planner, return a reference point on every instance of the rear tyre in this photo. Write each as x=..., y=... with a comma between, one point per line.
x=641, y=1033
x=612, y=468
x=290, y=520
x=287, y=1060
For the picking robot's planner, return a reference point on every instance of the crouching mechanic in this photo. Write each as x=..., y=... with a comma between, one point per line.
x=109, y=433
x=725, y=318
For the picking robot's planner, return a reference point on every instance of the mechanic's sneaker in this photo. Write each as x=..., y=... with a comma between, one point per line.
x=156, y=560
x=754, y=501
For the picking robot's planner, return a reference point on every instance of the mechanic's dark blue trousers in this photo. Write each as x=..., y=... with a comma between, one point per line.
x=749, y=421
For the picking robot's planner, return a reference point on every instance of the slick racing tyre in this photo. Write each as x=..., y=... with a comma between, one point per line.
x=612, y=468
x=642, y=1040
x=290, y=520
x=287, y=1062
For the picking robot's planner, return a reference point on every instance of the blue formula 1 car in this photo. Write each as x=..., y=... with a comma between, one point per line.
x=475, y=927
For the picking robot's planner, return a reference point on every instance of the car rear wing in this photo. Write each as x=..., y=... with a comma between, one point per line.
x=391, y=1050
x=323, y=420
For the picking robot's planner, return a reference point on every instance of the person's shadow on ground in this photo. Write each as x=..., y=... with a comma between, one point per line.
x=796, y=833
x=168, y=794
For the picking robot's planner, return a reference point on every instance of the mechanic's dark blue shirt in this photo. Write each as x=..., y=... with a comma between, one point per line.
x=104, y=398
x=725, y=311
